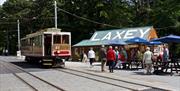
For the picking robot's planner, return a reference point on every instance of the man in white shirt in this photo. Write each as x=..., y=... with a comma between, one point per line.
x=91, y=56
x=147, y=60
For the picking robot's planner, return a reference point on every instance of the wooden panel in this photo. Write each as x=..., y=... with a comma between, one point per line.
x=25, y=50
x=61, y=47
x=29, y=50
x=152, y=34
x=37, y=50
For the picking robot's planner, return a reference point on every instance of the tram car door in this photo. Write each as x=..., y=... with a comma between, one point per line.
x=47, y=44
x=57, y=47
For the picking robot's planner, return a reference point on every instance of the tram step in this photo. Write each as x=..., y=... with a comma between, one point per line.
x=47, y=60
x=47, y=64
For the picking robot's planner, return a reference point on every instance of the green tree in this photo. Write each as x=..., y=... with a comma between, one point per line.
x=11, y=11
x=83, y=17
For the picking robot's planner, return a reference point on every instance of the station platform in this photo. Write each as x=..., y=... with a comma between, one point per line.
x=165, y=81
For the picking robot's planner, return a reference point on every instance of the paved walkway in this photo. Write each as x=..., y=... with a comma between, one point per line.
x=165, y=81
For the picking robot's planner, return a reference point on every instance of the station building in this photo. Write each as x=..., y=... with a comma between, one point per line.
x=106, y=36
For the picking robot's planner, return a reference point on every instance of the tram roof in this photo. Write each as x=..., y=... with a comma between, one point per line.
x=40, y=32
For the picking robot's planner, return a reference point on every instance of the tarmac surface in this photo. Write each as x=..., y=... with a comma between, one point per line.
x=72, y=83
x=165, y=80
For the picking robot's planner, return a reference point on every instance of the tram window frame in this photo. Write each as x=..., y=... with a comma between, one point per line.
x=37, y=41
x=32, y=41
x=28, y=42
x=65, y=39
x=57, y=40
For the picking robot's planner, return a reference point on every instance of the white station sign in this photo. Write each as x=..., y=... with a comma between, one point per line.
x=123, y=34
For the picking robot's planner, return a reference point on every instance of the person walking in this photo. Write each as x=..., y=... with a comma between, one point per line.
x=139, y=58
x=124, y=57
x=84, y=60
x=165, y=53
x=102, y=56
x=118, y=56
x=91, y=56
x=132, y=55
x=111, y=59
x=147, y=60
x=165, y=57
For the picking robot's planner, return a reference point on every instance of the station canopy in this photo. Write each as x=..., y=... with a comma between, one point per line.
x=106, y=36
x=169, y=39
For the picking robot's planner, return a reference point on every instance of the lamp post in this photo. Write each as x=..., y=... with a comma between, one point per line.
x=19, y=43
x=55, y=11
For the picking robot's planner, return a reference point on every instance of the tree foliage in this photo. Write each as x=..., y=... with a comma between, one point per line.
x=83, y=17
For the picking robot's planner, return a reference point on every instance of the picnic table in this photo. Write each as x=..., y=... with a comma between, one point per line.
x=172, y=64
x=136, y=62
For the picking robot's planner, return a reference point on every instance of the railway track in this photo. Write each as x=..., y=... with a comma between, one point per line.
x=129, y=85
x=12, y=68
x=132, y=86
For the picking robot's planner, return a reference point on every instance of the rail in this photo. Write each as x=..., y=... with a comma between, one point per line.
x=17, y=67
x=71, y=71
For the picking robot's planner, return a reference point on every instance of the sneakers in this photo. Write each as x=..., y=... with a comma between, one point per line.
x=111, y=71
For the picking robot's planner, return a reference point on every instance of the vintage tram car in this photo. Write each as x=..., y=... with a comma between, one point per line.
x=50, y=47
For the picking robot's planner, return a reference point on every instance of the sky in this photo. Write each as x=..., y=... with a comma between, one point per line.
x=2, y=1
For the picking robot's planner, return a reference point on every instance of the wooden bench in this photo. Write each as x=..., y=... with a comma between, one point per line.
x=137, y=63
x=173, y=65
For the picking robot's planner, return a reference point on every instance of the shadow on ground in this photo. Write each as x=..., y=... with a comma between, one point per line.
x=154, y=73
x=30, y=67
x=26, y=65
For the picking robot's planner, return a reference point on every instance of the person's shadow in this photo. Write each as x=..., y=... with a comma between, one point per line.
x=156, y=72
x=139, y=73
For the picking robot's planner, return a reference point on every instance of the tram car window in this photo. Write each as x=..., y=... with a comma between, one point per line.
x=65, y=39
x=57, y=39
